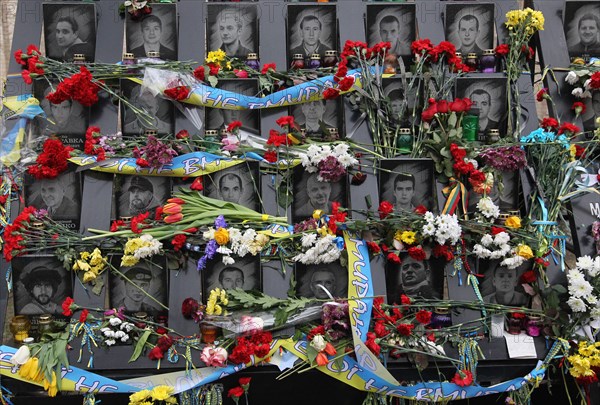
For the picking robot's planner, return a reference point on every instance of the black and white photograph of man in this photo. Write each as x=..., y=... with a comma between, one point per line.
x=489, y=100
x=217, y=118
x=415, y=278
x=70, y=29
x=155, y=32
x=239, y=184
x=60, y=196
x=502, y=285
x=394, y=24
x=311, y=30
x=582, y=28
x=244, y=274
x=42, y=285
x=310, y=194
x=66, y=118
x=401, y=107
x=322, y=281
x=316, y=116
x=592, y=112
x=407, y=183
x=160, y=111
x=470, y=27
x=144, y=279
x=233, y=29
x=140, y=194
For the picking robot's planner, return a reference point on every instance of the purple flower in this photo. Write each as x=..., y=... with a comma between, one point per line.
x=209, y=253
x=336, y=319
x=307, y=225
x=220, y=222
x=330, y=169
x=41, y=213
x=119, y=313
x=155, y=152
x=505, y=158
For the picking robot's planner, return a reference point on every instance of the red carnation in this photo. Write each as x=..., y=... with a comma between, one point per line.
x=380, y=329
x=285, y=120
x=183, y=134
x=405, y=299
x=502, y=50
x=496, y=230
x=417, y=253
x=233, y=126
x=578, y=107
x=156, y=354
x=423, y=317
x=268, y=66
x=19, y=57
x=235, y=392
x=346, y=83
x=199, y=73
x=579, y=152
x=189, y=306
x=385, y=208
x=83, y=316
x=595, y=81
x=463, y=378
x=213, y=69
x=528, y=277
x=393, y=257
x=317, y=330
x=141, y=162
x=66, y=306
x=373, y=247
x=542, y=94
x=178, y=93
x=271, y=156
x=420, y=46
x=331, y=93
x=372, y=345
x=443, y=251
x=549, y=124
x=405, y=329
x=178, y=242
x=568, y=128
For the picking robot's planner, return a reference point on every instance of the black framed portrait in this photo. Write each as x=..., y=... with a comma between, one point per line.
x=582, y=28
x=404, y=99
x=155, y=32
x=501, y=285
x=136, y=195
x=311, y=30
x=395, y=24
x=311, y=194
x=68, y=120
x=415, y=278
x=70, y=29
x=317, y=118
x=333, y=278
x=407, y=183
x=160, y=110
x=489, y=100
x=60, y=196
x=586, y=211
x=592, y=112
x=41, y=284
x=233, y=28
x=239, y=184
x=219, y=118
x=147, y=277
x=470, y=27
x=505, y=196
x=244, y=273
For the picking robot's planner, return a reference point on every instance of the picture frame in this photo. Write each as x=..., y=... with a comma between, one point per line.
x=310, y=29
x=488, y=94
x=581, y=23
x=414, y=278
x=69, y=30
x=134, y=195
x=310, y=194
x=238, y=184
x=232, y=28
x=393, y=23
x=403, y=100
x=245, y=273
x=219, y=118
x=407, y=183
x=470, y=26
x=317, y=117
x=160, y=110
x=155, y=32
x=332, y=276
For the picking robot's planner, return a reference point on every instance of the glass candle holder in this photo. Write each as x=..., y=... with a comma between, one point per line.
x=128, y=59
x=534, y=325
x=330, y=59
x=252, y=61
x=487, y=62
x=142, y=318
x=20, y=327
x=315, y=61
x=493, y=136
x=497, y=325
x=470, y=125
x=514, y=325
x=405, y=140
x=45, y=324
x=297, y=61
x=472, y=61
x=78, y=58
x=440, y=318
x=209, y=332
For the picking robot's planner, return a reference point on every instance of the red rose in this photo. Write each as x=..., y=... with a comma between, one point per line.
x=155, y=354
x=385, y=208
x=393, y=257
x=528, y=277
x=242, y=74
x=178, y=92
x=199, y=73
x=595, y=81
x=197, y=184
x=463, y=378
x=405, y=329
x=429, y=113
x=578, y=107
x=233, y=126
x=271, y=156
x=460, y=105
x=442, y=106
x=83, y=316
x=66, y=306
x=183, y=134
x=268, y=66
x=542, y=94
x=417, y=253
x=420, y=209
x=331, y=93
x=569, y=128
x=346, y=83
x=317, y=330
x=235, y=392
x=423, y=317
x=502, y=50
x=549, y=124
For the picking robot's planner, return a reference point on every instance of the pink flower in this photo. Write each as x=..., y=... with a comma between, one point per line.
x=214, y=356
x=242, y=74
x=230, y=143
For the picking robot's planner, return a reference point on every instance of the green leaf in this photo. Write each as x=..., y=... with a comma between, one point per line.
x=212, y=80
x=445, y=152
x=311, y=353
x=436, y=138
x=559, y=288
x=139, y=346
x=281, y=317
x=98, y=285
x=452, y=119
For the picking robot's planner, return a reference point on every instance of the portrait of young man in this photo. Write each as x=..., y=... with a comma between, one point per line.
x=407, y=183
x=470, y=27
x=140, y=194
x=66, y=118
x=41, y=286
x=316, y=117
x=60, y=196
x=311, y=30
x=311, y=194
x=218, y=118
x=244, y=274
x=504, y=286
x=160, y=111
x=239, y=184
x=232, y=28
x=155, y=32
x=70, y=29
x=414, y=278
x=322, y=281
x=582, y=28
x=489, y=100
x=394, y=24
x=143, y=279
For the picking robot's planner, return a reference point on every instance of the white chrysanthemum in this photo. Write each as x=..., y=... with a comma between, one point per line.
x=591, y=299
x=595, y=270
x=487, y=240
x=575, y=275
x=595, y=312
x=580, y=288
x=313, y=151
x=127, y=326
x=501, y=239
x=512, y=262
x=487, y=208
x=114, y=321
x=340, y=149
x=305, y=160
x=309, y=239
x=227, y=260
x=428, y=230
x=585, y=263
x=347, y=160
x=576, y=304
x=572, y=77
x=429, y=217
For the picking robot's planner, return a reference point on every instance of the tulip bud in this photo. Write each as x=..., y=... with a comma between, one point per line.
x=21, y=356
x=171, y=219
x=171, y=208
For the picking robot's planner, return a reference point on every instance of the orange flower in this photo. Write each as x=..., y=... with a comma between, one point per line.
x=330, y=349
x=172, y=208
x=171, y=219
x=176, y=200
x=322, y=359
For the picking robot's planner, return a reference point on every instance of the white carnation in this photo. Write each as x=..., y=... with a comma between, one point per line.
x=487, y=240
x=227, y=260
x=512, y=262
x=487, y=207
x=571, y=78
x=110, y=342
x=309, y=239
x=114, y=321
x=501, y=239
x=577, y=92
